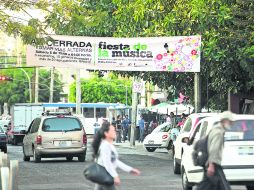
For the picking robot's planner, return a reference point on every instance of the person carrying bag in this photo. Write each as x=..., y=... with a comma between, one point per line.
x=106, y=160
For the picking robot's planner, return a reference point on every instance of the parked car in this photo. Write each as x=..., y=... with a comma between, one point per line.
x=159, y=138
x=237, y=157
x=55, y=135
x=186, y=131
x=3, y=140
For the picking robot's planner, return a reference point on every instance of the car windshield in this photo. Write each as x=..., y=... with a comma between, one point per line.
x=165, y=127
x=241, y=130
x=61, y=124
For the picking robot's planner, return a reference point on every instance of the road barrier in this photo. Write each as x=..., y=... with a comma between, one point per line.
x=8, y=173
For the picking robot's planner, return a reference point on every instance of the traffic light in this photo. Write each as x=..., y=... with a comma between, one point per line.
x=5, y=78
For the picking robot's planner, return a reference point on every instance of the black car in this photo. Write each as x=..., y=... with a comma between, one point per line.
x=3, y=140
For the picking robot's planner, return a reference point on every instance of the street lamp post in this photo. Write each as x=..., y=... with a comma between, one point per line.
x=29, y=84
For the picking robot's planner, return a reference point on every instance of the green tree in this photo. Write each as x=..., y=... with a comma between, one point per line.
x=97, y=89
x=16, y=19
x=44, y=82
x=17, y=91
x=226, y=27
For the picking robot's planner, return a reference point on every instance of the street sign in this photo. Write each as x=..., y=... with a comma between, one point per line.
x=137, y=87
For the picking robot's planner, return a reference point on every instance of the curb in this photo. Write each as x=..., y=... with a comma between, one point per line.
x=124, y=145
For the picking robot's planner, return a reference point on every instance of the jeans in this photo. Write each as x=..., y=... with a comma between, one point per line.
x=141, y=134
x=118, y=135
x=125, y=134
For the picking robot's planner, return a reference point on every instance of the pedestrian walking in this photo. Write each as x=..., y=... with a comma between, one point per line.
x=181, y=123
x=141, y=124
x=126, y=123
x=173, y=119
x=118, y=129
x=114, y=122
x=107, y=156
x=168, y=119
x=214, y=177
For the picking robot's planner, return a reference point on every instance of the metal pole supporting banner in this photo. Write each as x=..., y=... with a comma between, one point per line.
x=126, y=95
x=78, y=92
x=133, y=115
x=197, y=92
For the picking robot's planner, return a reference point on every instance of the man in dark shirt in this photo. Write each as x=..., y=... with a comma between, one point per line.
x=118, y=129
x=126, y=123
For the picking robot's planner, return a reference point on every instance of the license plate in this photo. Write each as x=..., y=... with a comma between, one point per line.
x=246, y=150
x=62, y=143
x=150, y=142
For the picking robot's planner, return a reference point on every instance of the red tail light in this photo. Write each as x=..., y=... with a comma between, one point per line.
x=84, y=139
x=164, y=136
x=38, y=139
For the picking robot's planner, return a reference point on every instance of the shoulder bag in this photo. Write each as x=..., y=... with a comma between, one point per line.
x=98, y=174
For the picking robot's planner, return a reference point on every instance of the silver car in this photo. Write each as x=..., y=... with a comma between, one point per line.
x=55, y=136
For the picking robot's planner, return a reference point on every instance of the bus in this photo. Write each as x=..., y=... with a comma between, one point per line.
x=91, y=113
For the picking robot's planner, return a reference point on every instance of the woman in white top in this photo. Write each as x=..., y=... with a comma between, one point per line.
x=107, y=156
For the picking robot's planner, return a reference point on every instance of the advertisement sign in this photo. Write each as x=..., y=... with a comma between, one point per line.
x=172, y=54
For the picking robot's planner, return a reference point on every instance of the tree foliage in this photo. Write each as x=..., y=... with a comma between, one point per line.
x=44, y=82
x=108, y=90
x=17, y=91
x=226, y=27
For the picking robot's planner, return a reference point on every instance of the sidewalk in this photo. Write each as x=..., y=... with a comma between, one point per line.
x=126, y=144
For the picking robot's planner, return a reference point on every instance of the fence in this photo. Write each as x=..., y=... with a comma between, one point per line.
x=8, y=173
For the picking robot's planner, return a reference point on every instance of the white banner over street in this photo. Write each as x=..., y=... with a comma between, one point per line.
x=173, y=54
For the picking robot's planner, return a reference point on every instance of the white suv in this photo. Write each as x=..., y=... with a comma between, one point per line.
x=186, y=131
x=56, y=135
x=238, y=154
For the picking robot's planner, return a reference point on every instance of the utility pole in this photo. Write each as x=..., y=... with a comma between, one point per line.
x=126, y=95
x=36, y=88
x=133, y=115
x=197, y=92
x=78, y=92
x=51, y=85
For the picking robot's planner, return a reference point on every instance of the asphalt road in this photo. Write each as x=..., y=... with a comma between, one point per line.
x=58, y=174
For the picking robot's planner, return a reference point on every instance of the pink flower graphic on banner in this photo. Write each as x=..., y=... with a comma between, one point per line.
x=194, y=52
x=159, y=56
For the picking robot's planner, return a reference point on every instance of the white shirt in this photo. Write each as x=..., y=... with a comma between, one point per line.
x=108, y=158
x=168, y=120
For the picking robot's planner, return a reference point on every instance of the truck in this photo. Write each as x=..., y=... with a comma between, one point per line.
x=21, y=117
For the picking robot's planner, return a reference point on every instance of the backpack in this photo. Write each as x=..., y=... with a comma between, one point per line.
x=200, y=152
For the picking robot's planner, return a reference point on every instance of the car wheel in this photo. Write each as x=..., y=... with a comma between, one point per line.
x=69, y=158
x=170, y=145
x=82, y=157
x=250, y=187
x=176, y=166
x=25, y=158
x=149, y=149
x=185, y=183
x=36, y=157
x=5, y=149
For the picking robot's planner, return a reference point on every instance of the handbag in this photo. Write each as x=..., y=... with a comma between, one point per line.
x=98, y=174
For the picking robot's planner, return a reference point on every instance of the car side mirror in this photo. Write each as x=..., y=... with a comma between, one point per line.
x=24, y=132
x=185, y=140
